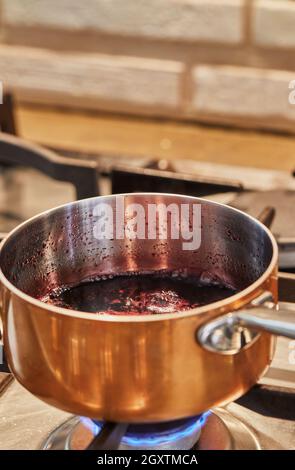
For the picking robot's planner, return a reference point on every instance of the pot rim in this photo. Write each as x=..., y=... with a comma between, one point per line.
x=221, y=304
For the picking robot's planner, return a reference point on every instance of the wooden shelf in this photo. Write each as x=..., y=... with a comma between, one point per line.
x=146, y=137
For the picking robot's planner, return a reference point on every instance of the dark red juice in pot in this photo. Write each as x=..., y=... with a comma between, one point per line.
x=138, y=294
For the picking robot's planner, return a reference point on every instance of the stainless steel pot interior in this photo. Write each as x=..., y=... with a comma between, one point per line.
x=58, y=247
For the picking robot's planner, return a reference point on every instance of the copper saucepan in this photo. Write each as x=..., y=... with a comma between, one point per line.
x=140, y=368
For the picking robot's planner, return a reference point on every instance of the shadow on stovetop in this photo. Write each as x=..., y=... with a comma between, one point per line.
x=270, y=401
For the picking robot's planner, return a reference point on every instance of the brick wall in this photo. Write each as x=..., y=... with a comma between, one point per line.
x=221, y=61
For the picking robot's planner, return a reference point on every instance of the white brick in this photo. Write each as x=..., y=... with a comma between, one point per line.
x=227, y=91
x=90, y=77
x=274, y=23
x=184, y=20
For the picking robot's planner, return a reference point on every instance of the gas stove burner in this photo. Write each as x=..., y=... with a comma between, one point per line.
x=217, y=430
x=180, y=434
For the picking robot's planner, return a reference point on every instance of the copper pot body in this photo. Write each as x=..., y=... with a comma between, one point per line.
x=120, y=368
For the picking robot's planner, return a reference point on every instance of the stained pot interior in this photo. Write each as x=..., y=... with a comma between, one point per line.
x=59, y=248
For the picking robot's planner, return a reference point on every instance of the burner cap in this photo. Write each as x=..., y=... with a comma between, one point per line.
x=222, y=431
x=180, y=434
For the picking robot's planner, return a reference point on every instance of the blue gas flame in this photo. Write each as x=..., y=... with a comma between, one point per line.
x=154, y=439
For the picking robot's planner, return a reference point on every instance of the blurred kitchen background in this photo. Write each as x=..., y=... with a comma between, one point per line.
x=200, y=88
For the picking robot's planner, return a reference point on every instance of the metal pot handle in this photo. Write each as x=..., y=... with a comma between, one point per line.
x=232, y=332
